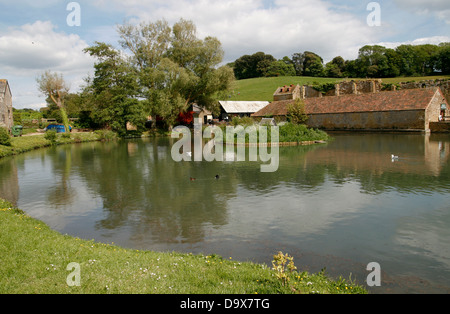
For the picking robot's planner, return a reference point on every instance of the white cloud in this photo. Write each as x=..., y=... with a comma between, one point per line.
x=439, y=8
x=247, y=26
x=27, y=51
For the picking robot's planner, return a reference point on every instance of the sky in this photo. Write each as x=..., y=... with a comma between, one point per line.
x=36, y=36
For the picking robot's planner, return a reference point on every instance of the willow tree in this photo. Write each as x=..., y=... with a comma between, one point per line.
x=176, y=69
x=54, y=87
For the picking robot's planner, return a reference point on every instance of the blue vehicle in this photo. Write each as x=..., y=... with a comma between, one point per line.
x=58, y=127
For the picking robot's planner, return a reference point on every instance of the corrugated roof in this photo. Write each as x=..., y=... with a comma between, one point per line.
x=243, y=106
x=408, y=99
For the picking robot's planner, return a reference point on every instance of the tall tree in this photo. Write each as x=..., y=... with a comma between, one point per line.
x=251, y=66
x=308, y=64
x=335, y=68
x=443, y=58
x=114, y=90
x=175, y=68
x=54, y=87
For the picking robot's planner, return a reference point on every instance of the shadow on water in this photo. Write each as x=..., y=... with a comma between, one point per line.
x=337, y=206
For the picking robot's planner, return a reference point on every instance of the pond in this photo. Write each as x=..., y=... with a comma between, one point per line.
x=336, y=206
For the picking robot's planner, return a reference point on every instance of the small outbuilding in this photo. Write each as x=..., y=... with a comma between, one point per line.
x=230, y=109
x=411, y=109
x=6, y=108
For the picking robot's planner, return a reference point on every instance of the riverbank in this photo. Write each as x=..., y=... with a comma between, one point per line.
x=35, y=259
x=31, y=142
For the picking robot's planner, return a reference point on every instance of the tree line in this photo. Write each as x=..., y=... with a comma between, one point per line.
x=373, y=61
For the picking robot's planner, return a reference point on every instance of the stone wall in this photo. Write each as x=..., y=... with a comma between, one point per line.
x=6, y=110
x=344, y=88
x=412, y=120
x=440, y=127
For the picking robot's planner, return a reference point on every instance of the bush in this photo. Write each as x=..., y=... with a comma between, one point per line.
x=5, y=139
x=105, y=135
x=50, y=136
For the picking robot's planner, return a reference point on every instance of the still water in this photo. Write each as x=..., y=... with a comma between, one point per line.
x=337, y=206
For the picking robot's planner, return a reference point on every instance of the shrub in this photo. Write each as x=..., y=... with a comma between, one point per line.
x=5, y=139
x=296, y=112
x=105, y=135
x=50, y=136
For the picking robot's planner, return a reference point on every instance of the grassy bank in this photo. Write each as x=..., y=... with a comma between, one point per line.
x=27, y=143
x=34, y=259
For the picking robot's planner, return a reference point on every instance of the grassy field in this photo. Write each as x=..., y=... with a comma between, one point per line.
x=35, y=259
x=262, y=89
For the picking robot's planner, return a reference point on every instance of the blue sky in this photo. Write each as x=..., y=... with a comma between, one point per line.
x=34, y=35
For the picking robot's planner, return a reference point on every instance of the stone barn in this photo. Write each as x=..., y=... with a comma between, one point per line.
x=6, y=109
x=411, y=110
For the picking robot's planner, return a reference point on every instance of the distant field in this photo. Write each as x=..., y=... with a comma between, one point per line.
x=262, y=89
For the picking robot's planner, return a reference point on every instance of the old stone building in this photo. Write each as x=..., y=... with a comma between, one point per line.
x=6, y=109
x=411, y=109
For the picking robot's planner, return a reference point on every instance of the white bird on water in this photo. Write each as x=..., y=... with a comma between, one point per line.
x=393, y=157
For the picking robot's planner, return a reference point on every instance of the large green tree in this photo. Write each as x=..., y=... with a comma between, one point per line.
x=175, y=68
x=113, y=92
x=251, y=66
x=55, y=88
x=308, y=64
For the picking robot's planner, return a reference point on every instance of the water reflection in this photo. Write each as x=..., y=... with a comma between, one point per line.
x=337, y=205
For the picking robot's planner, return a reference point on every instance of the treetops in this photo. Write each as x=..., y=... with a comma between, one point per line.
x=373, y=61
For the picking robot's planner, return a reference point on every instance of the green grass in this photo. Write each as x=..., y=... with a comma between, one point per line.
x=262, y=89
x=34, y=259
x=27, y=143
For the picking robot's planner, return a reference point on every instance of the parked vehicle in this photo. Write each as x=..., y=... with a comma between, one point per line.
x=60, y=128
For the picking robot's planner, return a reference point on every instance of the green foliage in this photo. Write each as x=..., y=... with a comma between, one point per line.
x=174, y=68
x=113, y=92
x=280, y=68
x=105, y=135
x=283, y=264
x=244, y=121
x=308, y=64
x=290, y=132
x=250, y=66
x=5, y=139
x=51, y=136
x=296, y=113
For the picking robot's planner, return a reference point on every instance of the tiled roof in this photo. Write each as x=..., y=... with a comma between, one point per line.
x=408, y=99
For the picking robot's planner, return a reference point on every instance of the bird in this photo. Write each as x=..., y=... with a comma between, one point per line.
x=192, y=179
x=393, y=157
x=217, y=176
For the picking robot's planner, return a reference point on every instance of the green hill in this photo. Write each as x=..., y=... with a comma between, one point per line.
x=262, y=89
